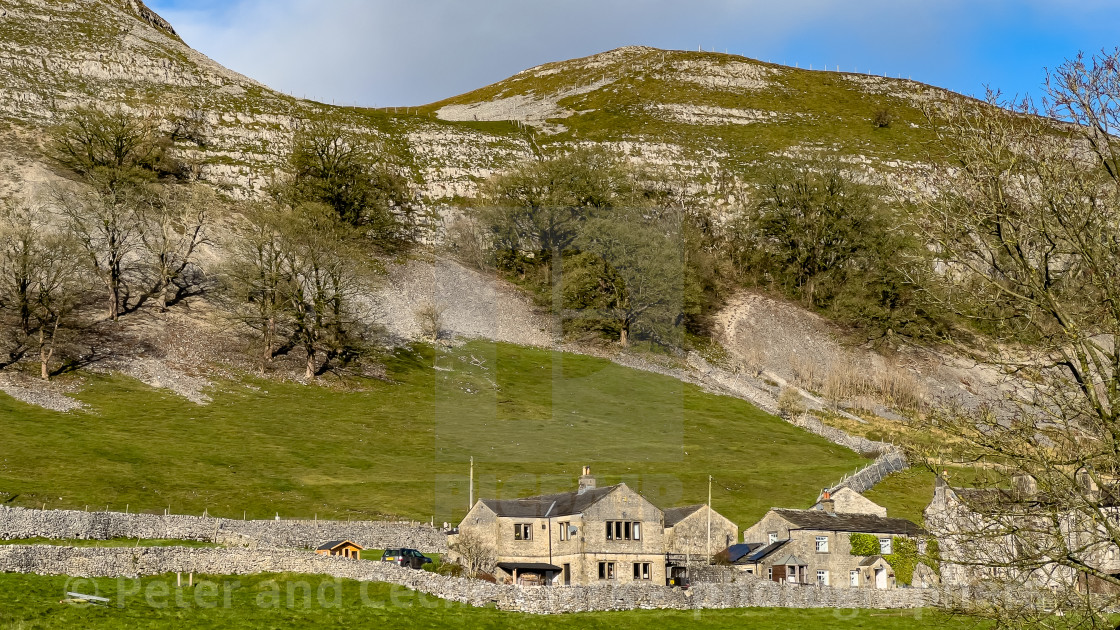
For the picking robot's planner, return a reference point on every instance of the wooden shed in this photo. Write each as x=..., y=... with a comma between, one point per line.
x=343, y=548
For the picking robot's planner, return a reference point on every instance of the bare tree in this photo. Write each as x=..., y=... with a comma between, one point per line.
x=475, y=554
x=1028, y=234
x=430, y=318
x=297, y=277
x=172, y=228
x=106, y=226
x=255, y=276
x=40, y=281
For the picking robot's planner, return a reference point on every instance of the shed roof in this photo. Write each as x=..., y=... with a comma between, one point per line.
x=758, y=554
x=862, y=523
x=738, y=551
x=791, y=560
x=870, y=560
x=331, y=545
x=678, y=514
x=562, y=504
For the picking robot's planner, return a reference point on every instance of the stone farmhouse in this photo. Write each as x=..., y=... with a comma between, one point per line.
x=814, y=546
x=848, y=501
x=593, y=536
x=992, y=535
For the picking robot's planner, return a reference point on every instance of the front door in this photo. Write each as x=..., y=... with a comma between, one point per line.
x=567, y=575
x=779, y=574
x=880, y=578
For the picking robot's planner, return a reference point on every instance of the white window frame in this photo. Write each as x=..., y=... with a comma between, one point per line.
x=769, y=573
x=822, y=544
x=637, y=531
x=886, y=546
x=822, y=578
x=772, y=537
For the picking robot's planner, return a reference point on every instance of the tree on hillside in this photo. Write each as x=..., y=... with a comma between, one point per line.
x=254, y=278
x=331, y=165
x=827, y=241
x=539, y=206
x=642, y=279
x=106, y=227
x=40, y=283
x=296, y=279
x=1028, y=233
x=112, y=149
x=172, y=228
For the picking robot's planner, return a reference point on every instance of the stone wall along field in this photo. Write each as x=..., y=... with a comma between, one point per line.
x=747, y=591
x=19, y=523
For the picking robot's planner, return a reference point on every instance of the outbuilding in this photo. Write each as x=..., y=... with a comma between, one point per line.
x=344, y=548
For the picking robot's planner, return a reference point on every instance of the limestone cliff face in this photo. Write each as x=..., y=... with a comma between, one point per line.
x=55, y=56
x=151, y=17
x=709, y=122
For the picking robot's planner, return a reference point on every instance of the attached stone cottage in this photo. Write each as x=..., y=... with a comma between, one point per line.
x=988, y=535
x=814, y=547
x=591, y=536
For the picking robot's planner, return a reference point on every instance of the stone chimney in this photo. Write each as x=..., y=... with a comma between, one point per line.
x=828, y=504
x=586, y=481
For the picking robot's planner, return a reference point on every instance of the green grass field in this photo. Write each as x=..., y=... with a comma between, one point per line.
x=530, y=418
x=263, y=601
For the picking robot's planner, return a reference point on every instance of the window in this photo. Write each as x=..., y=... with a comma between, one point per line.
x=822, y=544
x=641, y=570
x=523, y=531
x=606, y=570
x=773, y=537
x=770, y=573
x=624, y=530
x=564, y=533
x=885, y=546
x=822, y=578
x=853, y=577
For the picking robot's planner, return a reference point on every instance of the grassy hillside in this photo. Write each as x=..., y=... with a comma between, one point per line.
x=530, y=418
x=32, y=601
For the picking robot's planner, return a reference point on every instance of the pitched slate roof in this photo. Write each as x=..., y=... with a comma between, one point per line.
x=334, y=544
x=862, y=523
x=678, y=514
x=870, y=560
x=563, y=504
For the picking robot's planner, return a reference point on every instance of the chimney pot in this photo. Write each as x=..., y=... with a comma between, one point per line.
x=587, y=481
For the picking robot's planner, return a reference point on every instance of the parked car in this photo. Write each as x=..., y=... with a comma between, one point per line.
x=405, y=558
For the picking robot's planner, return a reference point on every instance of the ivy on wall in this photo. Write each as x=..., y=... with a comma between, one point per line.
x=904, y=556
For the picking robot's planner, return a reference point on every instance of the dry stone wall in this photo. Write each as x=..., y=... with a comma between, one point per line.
x=747, y=591
x=19, y=523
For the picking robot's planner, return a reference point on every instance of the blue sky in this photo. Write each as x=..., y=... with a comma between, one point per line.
x=411, y=52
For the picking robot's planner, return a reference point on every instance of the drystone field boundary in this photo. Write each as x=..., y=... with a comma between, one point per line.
x=747, y=591
x=20, y=523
